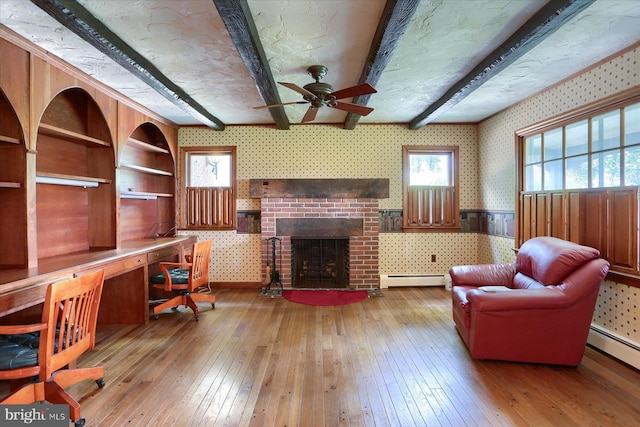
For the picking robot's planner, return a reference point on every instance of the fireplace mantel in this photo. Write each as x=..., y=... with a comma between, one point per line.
x=374, y=188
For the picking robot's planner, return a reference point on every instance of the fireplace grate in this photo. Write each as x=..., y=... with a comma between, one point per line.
x=320, y=263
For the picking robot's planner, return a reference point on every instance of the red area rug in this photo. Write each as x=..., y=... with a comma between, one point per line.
x=324, y=297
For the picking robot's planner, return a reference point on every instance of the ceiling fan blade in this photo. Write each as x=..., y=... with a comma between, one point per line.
x=298, y=89
x=280, y=105
x=360, y=110
x=310, y=115
x=361, y=89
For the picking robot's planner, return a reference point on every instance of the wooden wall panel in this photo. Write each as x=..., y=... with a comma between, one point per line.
x=593, y=227
x=623, y=242
x=573, y=215
x=63, y=225
x=541, y=214
x=557, y=214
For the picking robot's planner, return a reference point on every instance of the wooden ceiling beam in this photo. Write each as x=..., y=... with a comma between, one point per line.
x=393, y=23
x=545, y=22
x=237, y=17
x=77, y=19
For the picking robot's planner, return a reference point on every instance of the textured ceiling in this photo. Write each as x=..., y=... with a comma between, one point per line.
x=441, y=45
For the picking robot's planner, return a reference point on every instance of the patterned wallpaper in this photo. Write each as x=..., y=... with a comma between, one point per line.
x=324, y=151
x=374, y=151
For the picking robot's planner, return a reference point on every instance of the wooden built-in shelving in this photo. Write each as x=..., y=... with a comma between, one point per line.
x=146, y=146
x=75, y=137
x=5, y=184
x=81, y=170
x=10, y=139
x=74, y=152
x=142, y=195
x=147, y=183
x=72, y=177
x=146, y=169
x=13, y=193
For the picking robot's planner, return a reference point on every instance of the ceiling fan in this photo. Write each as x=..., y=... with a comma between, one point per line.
x=318, y=94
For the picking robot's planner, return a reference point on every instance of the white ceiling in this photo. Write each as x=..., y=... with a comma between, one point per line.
x=188, y=42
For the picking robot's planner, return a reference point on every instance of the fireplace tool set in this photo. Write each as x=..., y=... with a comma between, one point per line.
x=272, y=267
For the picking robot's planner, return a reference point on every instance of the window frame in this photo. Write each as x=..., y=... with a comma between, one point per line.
x=445, y=199
x=560, y=209
x=220, y=208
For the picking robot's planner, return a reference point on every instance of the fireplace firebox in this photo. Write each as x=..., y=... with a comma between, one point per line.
x=319, y=263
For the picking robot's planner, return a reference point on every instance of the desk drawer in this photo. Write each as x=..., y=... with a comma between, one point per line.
x=162, y=254
x=122, y=266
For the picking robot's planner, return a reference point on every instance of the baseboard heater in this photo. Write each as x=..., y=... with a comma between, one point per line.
x=396, y=280
x=620, y=347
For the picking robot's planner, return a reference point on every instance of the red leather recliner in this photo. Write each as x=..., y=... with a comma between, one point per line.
x=545, y=314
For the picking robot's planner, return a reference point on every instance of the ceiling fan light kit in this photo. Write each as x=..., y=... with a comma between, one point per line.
x=320, y=94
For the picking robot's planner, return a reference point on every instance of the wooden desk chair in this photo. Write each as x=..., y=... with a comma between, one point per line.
x=186, y=278
x=67, y=330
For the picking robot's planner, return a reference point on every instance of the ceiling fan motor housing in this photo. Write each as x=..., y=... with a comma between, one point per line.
x=319, y=89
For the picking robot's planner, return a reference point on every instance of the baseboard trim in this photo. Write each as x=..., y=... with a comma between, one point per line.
x=237, y=285
x=615, y=345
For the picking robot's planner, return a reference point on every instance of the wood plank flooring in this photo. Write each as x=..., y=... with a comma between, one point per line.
x=394, y=360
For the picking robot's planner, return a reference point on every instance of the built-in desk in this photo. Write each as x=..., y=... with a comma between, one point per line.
x=125, y=294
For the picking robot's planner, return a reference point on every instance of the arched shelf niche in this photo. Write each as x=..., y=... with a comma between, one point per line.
x=147, y=185
x=13, y=199
x=75, y=171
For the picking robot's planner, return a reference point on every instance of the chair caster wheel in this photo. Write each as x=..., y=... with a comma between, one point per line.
x=101, y=383
x=196, y=317
x=79, y=422
x=213, y=305
x=155, y=316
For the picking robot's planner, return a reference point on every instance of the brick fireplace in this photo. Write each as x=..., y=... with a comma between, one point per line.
x=322, y=209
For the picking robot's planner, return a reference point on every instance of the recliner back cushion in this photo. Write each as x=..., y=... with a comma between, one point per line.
x=549, y=260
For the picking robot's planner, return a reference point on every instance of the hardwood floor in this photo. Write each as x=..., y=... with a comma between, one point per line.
x=394, y=360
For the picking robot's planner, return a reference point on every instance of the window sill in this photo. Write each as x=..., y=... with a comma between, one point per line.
x=625, y=279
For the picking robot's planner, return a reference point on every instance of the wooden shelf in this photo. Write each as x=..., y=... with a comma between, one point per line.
x=146, y=170
x=10, y=139
x=71, y=136
x=4, y=184
x=146, y=146
x=143, y=195
x=72, y=177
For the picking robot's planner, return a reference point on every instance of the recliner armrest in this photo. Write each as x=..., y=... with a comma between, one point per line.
x=483, y=275
x=548, y=298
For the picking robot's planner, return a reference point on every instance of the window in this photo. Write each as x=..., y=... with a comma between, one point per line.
x=430, y=194
x=578, y=180
x=209, y=196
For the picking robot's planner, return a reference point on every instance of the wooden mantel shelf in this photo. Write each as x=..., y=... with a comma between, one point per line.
x=374, y=188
